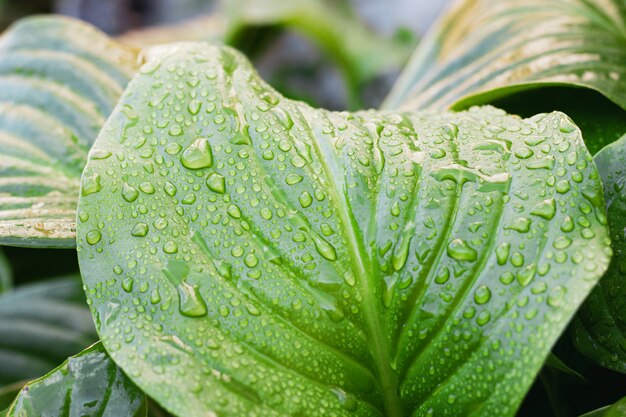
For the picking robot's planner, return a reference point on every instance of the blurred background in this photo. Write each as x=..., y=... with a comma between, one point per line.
x=292, y=43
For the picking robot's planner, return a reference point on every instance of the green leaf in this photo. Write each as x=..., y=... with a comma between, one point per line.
x=87, y=384
x=6, y=273
x=482, y=51
x=59, y=80
x=333, y=25
x=273, y=259
x=616, y=410
x=600, y=326
x=41, y=325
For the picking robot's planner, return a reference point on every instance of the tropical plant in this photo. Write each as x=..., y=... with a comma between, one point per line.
x=458, y=253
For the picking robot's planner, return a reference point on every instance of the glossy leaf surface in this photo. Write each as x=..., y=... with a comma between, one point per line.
x=481, y=50
x=601, y=323
x=248, y=255
x=88, y=384
x=59, y=80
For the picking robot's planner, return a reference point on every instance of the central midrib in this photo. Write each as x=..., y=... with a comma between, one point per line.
x=360, y=265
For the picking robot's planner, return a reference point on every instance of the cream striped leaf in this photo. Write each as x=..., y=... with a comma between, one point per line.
x=59, y=80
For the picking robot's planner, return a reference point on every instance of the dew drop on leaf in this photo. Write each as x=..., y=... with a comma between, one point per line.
x=93, y=236
x=198, y=155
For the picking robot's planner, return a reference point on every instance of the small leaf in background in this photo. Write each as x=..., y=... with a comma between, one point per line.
x=600, y=326
x=41, y=325
x=87, y=384
x=284, y=260
x=616, y=410
x=6, y=273
x=359, y=53
x=59, y=80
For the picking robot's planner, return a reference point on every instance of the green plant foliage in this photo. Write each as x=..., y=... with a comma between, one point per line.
x=59, y=80
x=6, y=274
x=332, y=25
x=88, y=384
x=616, y=410
x=601, y=323
x=269, y=258
x=482, y=50
x=41, y=325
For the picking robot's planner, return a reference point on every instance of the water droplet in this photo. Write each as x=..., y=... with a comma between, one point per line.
x=147, y=187
x=562, y=242
x=292, y=179
x=482, y=294
x=443, y=275
x=127, y=284
x=191, y=302
x=140, y=230
x=197, y=155
x=524, y=153
x=305, y=199
x=194, y=106
x=170, y=189
x=93, y=236
x=216, y=182
x=545, y=209
x=189, y=199
x=170, y=247
x=91, y=184
x=563, y=186
x=129, y=193
x=566, y=125
x=99, y=153
x=323, y=247
x=543, y=163
x=251, y=260
x=172, y=148
x=567, y=225
x=155, y=297
x=520, y=224
x=502, y=252
x=233, y=211
x=459, y=250
x=401, y=251
x=526, y=274
x=556, y=295
x=266, y=213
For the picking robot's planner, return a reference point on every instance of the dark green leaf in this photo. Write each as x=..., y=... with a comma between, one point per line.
x=88, y=384
x=601, y=323
x=6, y=273
x=41, y=325
x=616, y=410
x=59, y=80
x=268, y=258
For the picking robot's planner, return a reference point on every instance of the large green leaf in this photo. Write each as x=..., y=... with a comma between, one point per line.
x=484, y=50
x=248, y=255
x=41, y=325
x=59, y=80
x=601, y=323
x=88, y=384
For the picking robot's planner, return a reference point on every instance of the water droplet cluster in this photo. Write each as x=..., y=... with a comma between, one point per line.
x=281, y=259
